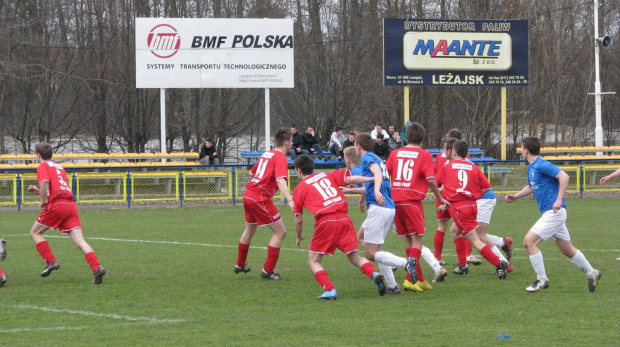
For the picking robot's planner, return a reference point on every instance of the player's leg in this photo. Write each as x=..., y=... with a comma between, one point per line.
x=2, y=257
x=273, y=251
x=89, y=254
x=461, y=245
x=2, y=277
x=562, y=240
x=482, y=235
x=244, y=247
x=530, y=242
x=501, y=265
x=320, y=275
x=369, y=270
x=440, y=271
x=440, y=234
x=36, y=233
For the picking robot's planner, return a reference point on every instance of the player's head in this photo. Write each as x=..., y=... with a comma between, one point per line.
x=456, y=133
x=304, y=164
x=351, y=159
x=460, y=148
x=365, y=142
x=415, y=133
x=45, y=150
x=282, y=138
x=448, y=146
x=532, y=144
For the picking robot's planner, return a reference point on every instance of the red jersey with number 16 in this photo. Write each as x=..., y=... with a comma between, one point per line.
x=269, y=167
x=56, y=177
x=319, y=194
x=409, y=169
x=462, y=180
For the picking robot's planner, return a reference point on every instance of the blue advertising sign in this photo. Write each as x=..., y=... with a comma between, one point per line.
x=450, y=53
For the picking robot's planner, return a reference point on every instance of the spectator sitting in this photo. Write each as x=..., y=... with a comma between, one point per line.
x=381, y=148
x=379, y=130
x=391, y=130
x=336, y=142
x=311, y=142
x=298, y=143
x=207, y=153
x=395, y=141
x=349, y=142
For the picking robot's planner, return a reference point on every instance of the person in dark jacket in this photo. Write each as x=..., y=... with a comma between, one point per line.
x=311, y=142
x=207, y=153
x=381, y=148
x=298, y=144
x=349, y=142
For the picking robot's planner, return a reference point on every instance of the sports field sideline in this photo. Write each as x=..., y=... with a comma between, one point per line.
x=170, y=282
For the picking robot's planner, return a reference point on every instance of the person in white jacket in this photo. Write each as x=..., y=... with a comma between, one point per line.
x=336, y=142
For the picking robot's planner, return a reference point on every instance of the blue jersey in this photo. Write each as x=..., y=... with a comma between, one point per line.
x=489, y=194
x=385, y=190
x=541, y=178
x=357, y=171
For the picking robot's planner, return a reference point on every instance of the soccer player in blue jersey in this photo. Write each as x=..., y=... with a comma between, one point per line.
x=380, y=215
x=548, y=183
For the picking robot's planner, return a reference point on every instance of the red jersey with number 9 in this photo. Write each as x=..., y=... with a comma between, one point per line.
x=56, y=177
x=319, y=194
x=269, y=167
x=409, y=169
x=462, y=180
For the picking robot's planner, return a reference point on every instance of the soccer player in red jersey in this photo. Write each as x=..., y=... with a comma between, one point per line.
x=59, y=211
x=464, y=183
x=269, y=174
x=411, y=172
x=333, y=228
x=2, y=257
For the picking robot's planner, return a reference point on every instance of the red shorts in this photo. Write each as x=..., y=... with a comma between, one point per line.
x=409, y=218
x=441, y=215
x=260, y=209
x=464, y=215
x=61, y=214
x=334, y=233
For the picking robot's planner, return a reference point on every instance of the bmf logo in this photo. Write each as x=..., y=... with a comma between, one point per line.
x=164, y=41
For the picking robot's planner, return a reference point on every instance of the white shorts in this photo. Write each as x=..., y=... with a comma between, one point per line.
x=392, y=227
x=552, y=225
x=377, y=223
x=485, y=210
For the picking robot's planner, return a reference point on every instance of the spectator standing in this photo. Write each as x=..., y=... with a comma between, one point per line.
x=336, y=142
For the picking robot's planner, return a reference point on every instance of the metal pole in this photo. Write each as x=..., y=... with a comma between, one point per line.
x=162, y=119
x=598, y=130
x=407, y=117
x=267, y=120
x=503, y=130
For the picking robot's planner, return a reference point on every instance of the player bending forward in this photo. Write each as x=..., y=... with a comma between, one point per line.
x=463, y=184
x=59, y=211
x=333, y=228
x=548, y=184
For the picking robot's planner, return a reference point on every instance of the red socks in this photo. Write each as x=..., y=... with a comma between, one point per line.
x=438, y=241
x=272, y=258
x=461, y=250
x=242, y=256
x=46, y=253
x=469, y=247
x=488, y=254
x=323, y=279
x=416, y=253
x=368, y=269
x=1, y=272
x=91, y=258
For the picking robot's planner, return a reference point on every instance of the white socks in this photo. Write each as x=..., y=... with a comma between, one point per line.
x=582, y=263
x=498, y=253
x=539, y=266
x=429, y=258
x=498, y=241
x=388, y=258
x=388, y=274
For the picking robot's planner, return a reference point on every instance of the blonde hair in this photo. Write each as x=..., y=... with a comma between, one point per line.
x=349, y=152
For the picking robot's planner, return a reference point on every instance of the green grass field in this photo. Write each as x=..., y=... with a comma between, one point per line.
x=170, y=282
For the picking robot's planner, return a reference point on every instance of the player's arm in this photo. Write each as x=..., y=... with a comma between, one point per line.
x=347, y=190
x=283, y=186
x=563, y=179
x=378, y=179
x=362, y=202
x=43, y=193
x=610, y=176
x=33, y=189
x=437, y=191
x=358, y=179
x=299, y=225
x=526, y=191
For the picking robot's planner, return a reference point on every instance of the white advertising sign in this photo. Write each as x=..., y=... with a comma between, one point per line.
x=214, y=53
x=457, y=51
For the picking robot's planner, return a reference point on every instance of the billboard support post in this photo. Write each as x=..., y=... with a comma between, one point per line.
x=162, y=119
x=267, y=121
x=406, y=105
x=503, y=125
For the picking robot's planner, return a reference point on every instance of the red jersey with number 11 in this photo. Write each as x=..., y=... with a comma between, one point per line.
x=269, y=167
x=56, y=177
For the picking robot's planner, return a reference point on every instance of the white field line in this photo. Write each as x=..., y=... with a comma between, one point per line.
x=19, y=330
x=284, y=249
x=149, y=320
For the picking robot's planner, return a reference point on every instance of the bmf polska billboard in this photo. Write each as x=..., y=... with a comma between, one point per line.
x=214, y=53
x=448, y=53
